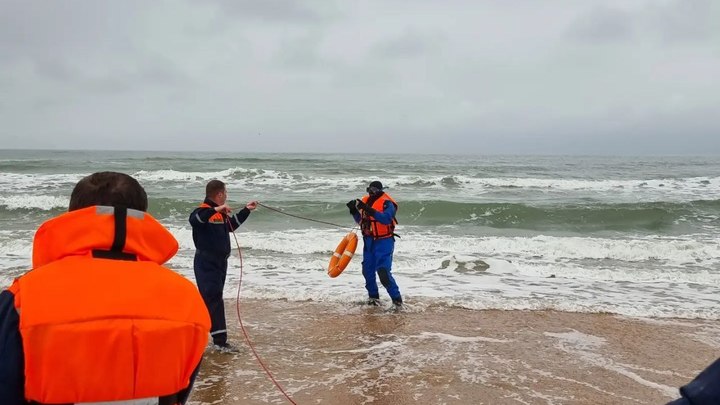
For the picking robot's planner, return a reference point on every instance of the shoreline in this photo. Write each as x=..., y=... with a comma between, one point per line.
x=325, y=354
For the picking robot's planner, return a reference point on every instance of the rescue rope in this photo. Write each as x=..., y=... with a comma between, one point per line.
x=301, y=217
x=244, y=331
x=246, y=335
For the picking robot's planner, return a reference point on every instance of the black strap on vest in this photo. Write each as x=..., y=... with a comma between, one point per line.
x=115, y=251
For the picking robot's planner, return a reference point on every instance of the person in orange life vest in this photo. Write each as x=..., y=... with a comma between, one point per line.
x=375, y=213
x=98, y=318
x=212, y=223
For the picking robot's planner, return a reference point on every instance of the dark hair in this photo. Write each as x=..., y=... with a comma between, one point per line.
x=213, y=187
x=108, y=188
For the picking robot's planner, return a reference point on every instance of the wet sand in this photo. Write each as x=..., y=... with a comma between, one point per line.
x=353, y=354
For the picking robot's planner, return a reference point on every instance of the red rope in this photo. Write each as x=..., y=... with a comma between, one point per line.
x=244, y=331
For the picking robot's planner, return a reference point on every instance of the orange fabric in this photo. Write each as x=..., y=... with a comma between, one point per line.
x=14, y=287
x=216, y=217
x=79, y=232
x=105, y=330
x=378, y=230
x=342, y=255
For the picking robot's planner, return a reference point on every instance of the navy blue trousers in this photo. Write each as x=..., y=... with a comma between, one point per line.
x=210, y=273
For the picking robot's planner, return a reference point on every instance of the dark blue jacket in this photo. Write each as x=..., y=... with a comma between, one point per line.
x=703, y=390
x=12, y=360
x=213, y=236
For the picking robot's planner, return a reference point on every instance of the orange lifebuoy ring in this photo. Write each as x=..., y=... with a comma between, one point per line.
x=343, y=253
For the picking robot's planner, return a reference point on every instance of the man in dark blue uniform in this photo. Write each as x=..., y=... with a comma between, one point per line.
x=212, y=223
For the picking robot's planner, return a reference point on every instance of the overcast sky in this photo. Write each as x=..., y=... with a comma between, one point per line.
x=394, y=76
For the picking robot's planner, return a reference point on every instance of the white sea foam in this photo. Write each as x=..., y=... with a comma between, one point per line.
x=16, y=243
x=429, y=250
x=504, y=273
x=374, y=348
x=163, y=176
x=461, y=186
x=585, y=347
x=35, y=181
x=41, y=202
x=460, y=339
x=682, y=188
x=574, y=340
x=673, y=274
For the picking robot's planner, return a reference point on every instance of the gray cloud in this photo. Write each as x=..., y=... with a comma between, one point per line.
x=280, y=11
x=38, y=29
x=686, y=20
x=409, y=44
x=667, y=22
x=617, y=76
x=603, y=23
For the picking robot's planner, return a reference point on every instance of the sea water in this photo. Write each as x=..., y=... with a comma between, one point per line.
x=636, y=236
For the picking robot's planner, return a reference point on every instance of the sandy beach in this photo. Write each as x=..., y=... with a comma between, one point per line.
x=353, y=354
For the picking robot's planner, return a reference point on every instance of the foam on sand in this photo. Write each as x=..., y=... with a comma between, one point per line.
x=330, y=354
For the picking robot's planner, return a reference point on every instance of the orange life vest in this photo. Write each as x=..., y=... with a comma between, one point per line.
x=95, y=328
x=370, y=226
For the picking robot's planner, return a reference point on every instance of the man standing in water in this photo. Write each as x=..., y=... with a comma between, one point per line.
x=212, y=223
x=376, y=215
x=99, y=318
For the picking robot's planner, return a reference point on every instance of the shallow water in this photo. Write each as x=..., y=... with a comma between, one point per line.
x=353, y=354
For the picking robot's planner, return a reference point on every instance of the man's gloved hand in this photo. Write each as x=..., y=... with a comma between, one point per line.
x=368, y=209
x=352, y=207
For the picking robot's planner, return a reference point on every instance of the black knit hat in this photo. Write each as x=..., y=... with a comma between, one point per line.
x=376, y=184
